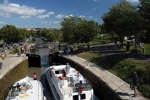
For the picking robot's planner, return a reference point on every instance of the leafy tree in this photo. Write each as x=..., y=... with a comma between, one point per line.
x=10, y=33
x=69, y=27
x=122, y=20
x=87, y=30
x=144, y=10
x=78, y=29
x=32, y=33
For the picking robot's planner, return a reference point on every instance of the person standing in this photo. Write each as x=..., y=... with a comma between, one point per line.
x=5, y=52
x=135, y=83
x=67, y=68
x=1, y=62
x=34, y=76
x=59, y=46
x=64, y=72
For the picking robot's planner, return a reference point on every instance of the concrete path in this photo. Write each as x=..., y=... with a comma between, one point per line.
x=114, y=82
x=10, y=62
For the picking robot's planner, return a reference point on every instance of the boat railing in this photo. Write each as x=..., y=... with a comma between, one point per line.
x=63, y=91
x=40, y=94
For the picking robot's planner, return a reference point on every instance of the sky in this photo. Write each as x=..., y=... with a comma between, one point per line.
x=50, y=13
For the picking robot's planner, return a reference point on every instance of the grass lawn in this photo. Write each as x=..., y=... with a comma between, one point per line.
x=123, y=66
x=146, y=46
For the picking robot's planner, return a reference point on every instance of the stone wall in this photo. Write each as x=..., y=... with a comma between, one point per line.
x=101, y=90
x=15, y=74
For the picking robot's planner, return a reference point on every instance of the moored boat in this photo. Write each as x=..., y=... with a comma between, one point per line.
x=72, y=86
x=25, y=89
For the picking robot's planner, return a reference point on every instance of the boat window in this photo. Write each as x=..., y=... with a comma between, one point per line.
x=83, y=96
x=75, y=97
x=57, y=72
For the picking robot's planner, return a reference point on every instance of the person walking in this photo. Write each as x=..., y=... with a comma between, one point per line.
x=34, y=76
x=135, y=83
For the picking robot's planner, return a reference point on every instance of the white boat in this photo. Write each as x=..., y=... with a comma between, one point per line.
x=26, y=89
x=74, y=87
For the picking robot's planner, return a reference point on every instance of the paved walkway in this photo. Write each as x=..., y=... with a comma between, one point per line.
x=114, y=82
x=10, y=62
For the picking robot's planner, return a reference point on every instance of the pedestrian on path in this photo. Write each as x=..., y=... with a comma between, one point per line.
x=135, y=83
x=1, y=62
x=5, y=52
x=59, y=46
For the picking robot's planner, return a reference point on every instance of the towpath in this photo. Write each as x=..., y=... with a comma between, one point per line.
x=10, y=62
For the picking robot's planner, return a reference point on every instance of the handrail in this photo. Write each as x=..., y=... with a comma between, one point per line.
x=41, y=91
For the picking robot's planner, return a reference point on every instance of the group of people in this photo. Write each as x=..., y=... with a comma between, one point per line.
x=12, y=89
x=65, y=71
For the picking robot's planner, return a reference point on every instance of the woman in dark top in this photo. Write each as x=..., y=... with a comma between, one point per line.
x=135, y=83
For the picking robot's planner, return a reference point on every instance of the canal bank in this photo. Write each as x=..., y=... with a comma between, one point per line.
x=106, y=85
x=14, y=68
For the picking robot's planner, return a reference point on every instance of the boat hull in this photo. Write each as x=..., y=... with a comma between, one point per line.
x=60, y=95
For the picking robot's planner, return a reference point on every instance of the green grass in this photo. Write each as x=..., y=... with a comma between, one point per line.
x=146, y=46
x=123, y=66
x=147, y=49
x=98, y=42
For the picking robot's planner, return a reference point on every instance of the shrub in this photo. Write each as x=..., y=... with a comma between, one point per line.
x=145, y=89
x=15, y=50
x=135, y=50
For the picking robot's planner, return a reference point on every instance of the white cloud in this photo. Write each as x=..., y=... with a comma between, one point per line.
x=43, y=16
x=71, y=15
x=5, y=1
x=56, y=22
x=50, y=13
x=11, y=8
x=2, y=22
x=94, y=0
x=60, y=16
x=133, y=0
x=25, y=17
x=5, y=15
x=81, y=16
x=43, y=22
x=90, y=16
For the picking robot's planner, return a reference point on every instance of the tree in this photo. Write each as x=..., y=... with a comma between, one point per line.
x=121, y=19
x=78, y=30
x=87, y=31
x=10, y=33
x=144, y=10
x=32, y=33
x=69, y=28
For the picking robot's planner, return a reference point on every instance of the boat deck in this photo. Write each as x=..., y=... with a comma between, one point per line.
x=32, y=91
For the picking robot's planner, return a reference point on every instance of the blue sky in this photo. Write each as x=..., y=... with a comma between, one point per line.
x=49, y=13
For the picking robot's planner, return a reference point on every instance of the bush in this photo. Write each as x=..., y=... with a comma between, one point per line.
x=14, y=50
x=135, y=50
x=145, y=89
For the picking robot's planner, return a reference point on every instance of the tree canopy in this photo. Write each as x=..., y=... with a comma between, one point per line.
x=78, y=29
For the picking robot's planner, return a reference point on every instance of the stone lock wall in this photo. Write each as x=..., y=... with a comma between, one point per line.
x=15, y=74
x=101, y=89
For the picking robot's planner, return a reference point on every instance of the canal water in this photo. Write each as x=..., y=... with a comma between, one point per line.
x=43, y=52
